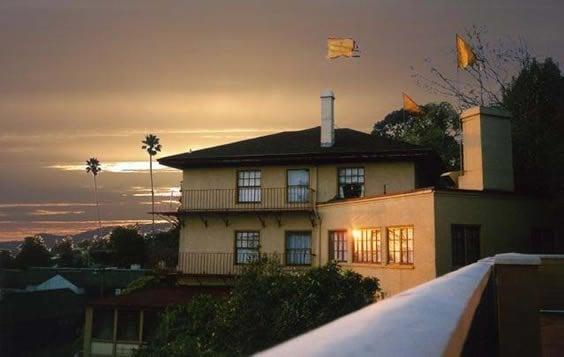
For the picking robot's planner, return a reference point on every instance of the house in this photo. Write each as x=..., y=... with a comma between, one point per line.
x=311, y=196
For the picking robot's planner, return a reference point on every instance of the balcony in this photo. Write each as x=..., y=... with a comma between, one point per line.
x=248, y=199
x=228, y=264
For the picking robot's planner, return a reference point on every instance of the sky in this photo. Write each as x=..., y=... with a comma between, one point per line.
x=81, y=79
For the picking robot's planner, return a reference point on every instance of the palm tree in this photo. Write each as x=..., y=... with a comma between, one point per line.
x=93, y=167
x=152, y=146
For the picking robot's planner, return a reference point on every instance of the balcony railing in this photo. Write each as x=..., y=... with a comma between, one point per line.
x=246, y=199
x=234, y=263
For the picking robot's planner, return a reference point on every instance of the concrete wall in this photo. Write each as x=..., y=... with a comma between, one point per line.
x=412, y=209
x=397, y=176
x=505, y=222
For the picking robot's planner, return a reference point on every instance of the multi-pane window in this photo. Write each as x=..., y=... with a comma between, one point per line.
x=465, y=244
x=367, y=246
x=103, y=324
x=128, y=325
x=351, y=182
x=298, y=186
x=400, y=245
x=338, y=246
x=248, y=186
x=298, y=248
x=247, y=245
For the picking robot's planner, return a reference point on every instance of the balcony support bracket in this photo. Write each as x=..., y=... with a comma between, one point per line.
x=278, y=218
x=313, y=218
x=262, y=220
x=225, y=219
x=204, y=220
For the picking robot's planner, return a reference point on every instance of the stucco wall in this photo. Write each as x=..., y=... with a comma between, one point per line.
x=397, y=176
x=505, y=222
x=413, y=209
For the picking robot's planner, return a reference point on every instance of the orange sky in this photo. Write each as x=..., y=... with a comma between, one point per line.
x=90, y=78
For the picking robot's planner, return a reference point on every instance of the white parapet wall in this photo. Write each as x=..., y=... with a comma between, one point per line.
x=432, y=319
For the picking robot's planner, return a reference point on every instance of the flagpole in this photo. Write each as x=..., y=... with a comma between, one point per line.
x=458, y=88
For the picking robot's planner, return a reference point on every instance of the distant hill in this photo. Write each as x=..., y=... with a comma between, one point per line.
x=51, y=239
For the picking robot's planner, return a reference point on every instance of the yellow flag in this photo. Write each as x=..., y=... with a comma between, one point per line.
x=409, y=105
x=464, y=53
x=341, y=47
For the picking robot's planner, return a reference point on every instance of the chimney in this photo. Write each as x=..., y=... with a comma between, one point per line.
x=487, y=150
x=327, y=118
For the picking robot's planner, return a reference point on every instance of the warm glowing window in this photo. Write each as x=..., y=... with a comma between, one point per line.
x=338, y=246
x=367, y=246
x=465, y=244
x=400, y=245
x=247, y=245
x=351, y=182
x=248, y=186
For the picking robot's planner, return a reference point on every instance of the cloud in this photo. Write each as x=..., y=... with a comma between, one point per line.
x=44, y=212
x=46, y=204
x=116, y=167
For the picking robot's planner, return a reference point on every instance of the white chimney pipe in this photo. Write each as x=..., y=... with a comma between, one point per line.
x=327, y=118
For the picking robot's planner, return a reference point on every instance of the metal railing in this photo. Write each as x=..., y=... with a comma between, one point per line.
x=245, y=199
x=233, y=263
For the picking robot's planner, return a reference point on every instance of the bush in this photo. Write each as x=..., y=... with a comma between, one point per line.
x=267, y=305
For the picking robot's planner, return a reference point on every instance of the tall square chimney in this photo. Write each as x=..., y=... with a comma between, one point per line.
x=487, y=150
x=327, y=118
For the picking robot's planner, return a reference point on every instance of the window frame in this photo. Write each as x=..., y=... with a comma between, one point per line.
x=344, y=252
x=96, y=311
x=236, y=247
x=288, y=186
x=363, y=185
x=391, y=254
x=239, y=187
x=303, y=232
x=138, y=324
x=378, y=243
x=465, y=239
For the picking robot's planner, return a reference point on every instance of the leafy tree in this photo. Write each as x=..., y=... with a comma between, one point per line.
x=535, y=99
x=99, y=251
x=163, y=247
x=267, y=305
x=33, y=253
x=93, y=167
x=6, y=259
x=128, y=246
x=152, y=146
x=66, y=255
x=438, y=127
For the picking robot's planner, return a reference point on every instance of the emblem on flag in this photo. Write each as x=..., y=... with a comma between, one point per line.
x=341, y=47
x=464, y=53
x=409, y=105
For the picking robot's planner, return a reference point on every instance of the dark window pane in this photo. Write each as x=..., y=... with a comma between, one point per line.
x=150, y=323
x=247, y=245
x=347, y=176
x=103, y=324
x=128, y=325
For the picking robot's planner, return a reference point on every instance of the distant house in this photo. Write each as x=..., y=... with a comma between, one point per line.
x=374, y=205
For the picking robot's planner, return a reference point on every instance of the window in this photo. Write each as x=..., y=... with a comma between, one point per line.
x=150, y=323
x=400, y=245
x=543, y=241
x=128, y=325
x=247, y=245
x=338, y=246
x=465, y=244
x=298, y=186
x=346, y=178
x=367, y=246
x=248, y=186
x=103, y=324
x=298, y=248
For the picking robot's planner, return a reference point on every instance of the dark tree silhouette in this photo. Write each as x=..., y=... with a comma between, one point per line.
x=33, y=253
x=93, y=167
x=152, y=146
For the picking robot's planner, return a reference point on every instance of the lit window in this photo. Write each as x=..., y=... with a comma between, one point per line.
x=248, y=186
x=351, y=182
x=298, y=186
x=465, y=244
x=298, y=248
x=247, y=245
x=400, y=245
x=367, y=246
x=338, y=246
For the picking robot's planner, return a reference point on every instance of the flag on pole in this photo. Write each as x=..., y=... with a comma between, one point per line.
x=464, y=53
x=409, y=105
x=341, y=47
